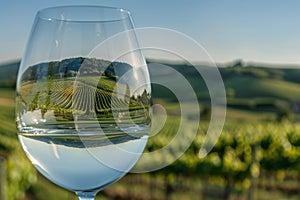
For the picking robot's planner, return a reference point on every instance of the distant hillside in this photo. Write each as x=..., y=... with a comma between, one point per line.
x=71, y=67
x=251, y=82
x=255, y=88
x=8, y=74
x=247, y=87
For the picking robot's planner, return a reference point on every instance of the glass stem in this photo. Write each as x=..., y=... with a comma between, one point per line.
x=86, y=195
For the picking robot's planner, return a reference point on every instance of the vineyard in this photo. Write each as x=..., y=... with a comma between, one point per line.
x=82, y=97
x=257, y=156
x=248, y=157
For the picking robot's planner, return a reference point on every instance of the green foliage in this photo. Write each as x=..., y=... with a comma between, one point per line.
x=7, y=118
x=20, y=172
x=241, y=153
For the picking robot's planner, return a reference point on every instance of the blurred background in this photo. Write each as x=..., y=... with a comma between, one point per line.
x=256, y=46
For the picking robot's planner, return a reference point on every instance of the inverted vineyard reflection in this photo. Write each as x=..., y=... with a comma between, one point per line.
x=55, y=93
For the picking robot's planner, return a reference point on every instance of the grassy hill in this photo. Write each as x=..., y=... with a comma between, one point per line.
x=248, y=87
x=263, y=88
x=253, y=87
x=251, y=82
x=251, y=90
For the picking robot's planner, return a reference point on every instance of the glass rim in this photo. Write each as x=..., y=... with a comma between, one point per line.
x=52, y=13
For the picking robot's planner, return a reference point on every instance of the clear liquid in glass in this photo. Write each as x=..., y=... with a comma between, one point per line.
x=77, y=129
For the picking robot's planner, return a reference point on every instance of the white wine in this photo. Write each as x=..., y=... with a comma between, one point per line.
x=84, y=161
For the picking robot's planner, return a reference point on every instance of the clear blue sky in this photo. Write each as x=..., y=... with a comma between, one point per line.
x=252, y=30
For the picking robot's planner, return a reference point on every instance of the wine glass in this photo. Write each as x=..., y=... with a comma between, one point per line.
x=83, y=97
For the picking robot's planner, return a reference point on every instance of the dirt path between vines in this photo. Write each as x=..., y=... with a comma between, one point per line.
x=6, y=102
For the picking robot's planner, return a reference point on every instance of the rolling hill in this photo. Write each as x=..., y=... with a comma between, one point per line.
x=247, y=87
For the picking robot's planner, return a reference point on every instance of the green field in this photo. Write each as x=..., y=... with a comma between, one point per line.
x=249, y=87
x=256, y=157
x=229, y=171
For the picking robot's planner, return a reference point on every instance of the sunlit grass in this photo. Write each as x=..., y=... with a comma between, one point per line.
x=7, y=93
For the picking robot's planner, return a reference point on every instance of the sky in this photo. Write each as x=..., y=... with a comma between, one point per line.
x=251, y=30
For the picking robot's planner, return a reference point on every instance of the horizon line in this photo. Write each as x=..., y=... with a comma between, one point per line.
x=245, y=63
